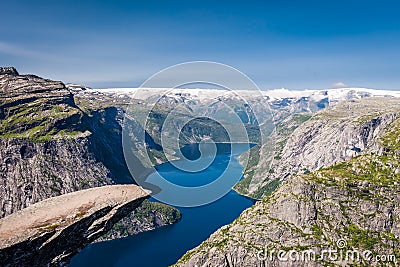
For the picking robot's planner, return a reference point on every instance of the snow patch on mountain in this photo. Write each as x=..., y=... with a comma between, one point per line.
x=303, y=100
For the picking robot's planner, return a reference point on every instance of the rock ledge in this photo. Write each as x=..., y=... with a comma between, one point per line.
x=50, y=232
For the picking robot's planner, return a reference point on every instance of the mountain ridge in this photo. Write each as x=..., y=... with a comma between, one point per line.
x=50, y=232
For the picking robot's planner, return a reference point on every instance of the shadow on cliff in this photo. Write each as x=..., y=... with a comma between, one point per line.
x=106, y=144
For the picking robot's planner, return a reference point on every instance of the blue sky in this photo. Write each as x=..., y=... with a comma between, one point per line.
x=291, y=44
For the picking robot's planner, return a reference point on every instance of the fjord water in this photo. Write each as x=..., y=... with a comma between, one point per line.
x=164, y=246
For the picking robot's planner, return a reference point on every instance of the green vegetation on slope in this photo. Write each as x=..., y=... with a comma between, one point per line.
x=391, y=139
x=356, y=200
x=148, y=216
x=40, y=121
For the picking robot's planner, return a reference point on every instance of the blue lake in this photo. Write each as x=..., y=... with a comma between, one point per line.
x=164, y=246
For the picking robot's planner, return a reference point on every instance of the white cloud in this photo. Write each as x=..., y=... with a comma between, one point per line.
x=339, y=85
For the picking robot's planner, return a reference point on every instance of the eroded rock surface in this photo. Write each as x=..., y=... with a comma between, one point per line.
x=335, y=134
x=355, y=201
x=50, y=232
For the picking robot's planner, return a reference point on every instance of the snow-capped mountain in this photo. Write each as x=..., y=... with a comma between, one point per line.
x=334, y=95
x=293, y=100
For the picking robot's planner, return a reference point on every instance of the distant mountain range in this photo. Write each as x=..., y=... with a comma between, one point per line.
x=309, y=100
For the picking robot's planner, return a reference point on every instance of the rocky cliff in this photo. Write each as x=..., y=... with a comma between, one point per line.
x=351, y=208
x=31, y=172
x=44, y=143
x=50, y=232
x=53, y=143
x=149, y=216
x=302, y=144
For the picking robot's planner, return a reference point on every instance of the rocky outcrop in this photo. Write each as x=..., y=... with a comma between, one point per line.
x=256, y=181
x=36, y=108
x=53, y=143
x=149, y=216
x=8, y=70
x=50, y=232
x=31, y=172
x=45, y=149
x=351, y=209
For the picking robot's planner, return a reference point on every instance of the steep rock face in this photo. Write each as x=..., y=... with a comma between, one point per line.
x=50, y=232
x=336, y=134
x=258, y=168
x=149, y=216
x=352, y=208
x=304, y=215
x=106, y=141
x=44, y=144
x=52, y=143
x=31, y=172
